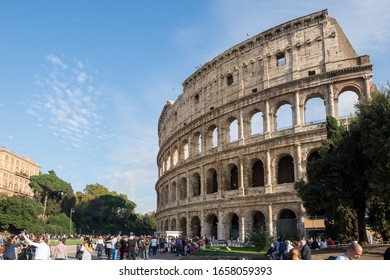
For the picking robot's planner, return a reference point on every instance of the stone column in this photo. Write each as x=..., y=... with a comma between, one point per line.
x=298, y=165
x=202, y=223
x=330, y=110
x=367, y=86
x=241, y=186
x=268, y=173
x=242, y=225
x=270, y=222
x=267, y=121
x=188, y=224
x=297, y=113
x=221, y=232
x=241, y=136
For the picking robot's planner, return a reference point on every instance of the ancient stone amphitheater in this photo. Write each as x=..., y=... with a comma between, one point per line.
x=226, y=164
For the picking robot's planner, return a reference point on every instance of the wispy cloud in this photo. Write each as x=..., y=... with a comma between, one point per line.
x=66, y=101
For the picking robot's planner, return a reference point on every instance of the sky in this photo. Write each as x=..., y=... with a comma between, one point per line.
x=83, y=83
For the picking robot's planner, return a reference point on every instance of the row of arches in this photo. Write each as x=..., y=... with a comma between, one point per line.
x=228, y=179
x=255, y=122
x=232, y=225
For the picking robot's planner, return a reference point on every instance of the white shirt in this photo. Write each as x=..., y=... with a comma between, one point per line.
x=42, y=251
x=343, y=257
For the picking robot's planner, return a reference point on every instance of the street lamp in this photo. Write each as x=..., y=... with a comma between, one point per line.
x=70, y=222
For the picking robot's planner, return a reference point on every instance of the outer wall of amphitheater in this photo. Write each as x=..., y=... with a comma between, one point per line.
x=221, y=176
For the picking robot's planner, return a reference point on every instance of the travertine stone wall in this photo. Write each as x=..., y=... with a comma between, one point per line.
x=207, y=181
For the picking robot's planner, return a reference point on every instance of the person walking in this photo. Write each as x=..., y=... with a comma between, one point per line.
x=60, y=251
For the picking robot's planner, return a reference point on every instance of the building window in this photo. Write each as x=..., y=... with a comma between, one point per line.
x=281, y=59
x=229, y=79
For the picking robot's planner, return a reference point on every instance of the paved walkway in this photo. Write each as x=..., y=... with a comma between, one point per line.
x=165, y=256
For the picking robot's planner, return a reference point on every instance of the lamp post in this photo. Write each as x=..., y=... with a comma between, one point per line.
x=70, y=222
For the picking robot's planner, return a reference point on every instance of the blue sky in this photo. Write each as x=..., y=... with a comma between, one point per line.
x=83, y=83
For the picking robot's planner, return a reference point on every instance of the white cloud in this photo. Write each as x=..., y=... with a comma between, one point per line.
x=69, y=100
x=56, y=61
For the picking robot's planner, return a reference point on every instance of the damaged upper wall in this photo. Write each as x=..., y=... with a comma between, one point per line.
x=306, y=47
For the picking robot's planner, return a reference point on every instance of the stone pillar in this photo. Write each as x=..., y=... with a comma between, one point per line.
x=188, y=224
x=221, y=232
x=267, y=121
x=241, y=136
x=297, y=113
x=270, y=223
x=241, y=186
x=242, y=226
x=330, y=110
x=367, y=86
x=298, y=163
x=268, y=173
x=202, y=223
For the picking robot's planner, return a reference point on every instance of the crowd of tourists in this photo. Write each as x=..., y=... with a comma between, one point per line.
x=110, y=247
x=301, y=250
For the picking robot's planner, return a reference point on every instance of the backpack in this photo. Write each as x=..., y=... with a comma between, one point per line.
x=118, y=245
x=79, y=252
x=331, y=258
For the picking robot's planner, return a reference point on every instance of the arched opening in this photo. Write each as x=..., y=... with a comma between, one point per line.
x=196, y=185
x=234, y=227
x=233, y=131
x=183, y=226
x=183, y=188
x=195, y=226
x=313, y=156
x=215, y=137
x=258, y=174
x=173, y=192
x=258, y=221
x=175, y=158
x=185, y=150
x=287, y=224
x=314, y=111
x=286, y=170
x=284, y=117
x=212, y=181
x=257, y=123
x=166, y=225
x=197, y=143
x=173, y=224
x=212, y=223
x=234, y=178
x=346, y=104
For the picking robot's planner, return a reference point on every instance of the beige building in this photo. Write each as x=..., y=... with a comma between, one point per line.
x=15, y=172
x=226, y=165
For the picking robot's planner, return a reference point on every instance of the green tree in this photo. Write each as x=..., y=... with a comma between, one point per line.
x=50, y=187
x=336, y=181
x=17, y=213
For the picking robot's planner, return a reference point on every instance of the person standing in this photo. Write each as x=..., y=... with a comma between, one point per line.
x=132, y=244
x=353, y=252
x=42, y=249
x=100, y=246
x=87, y=249
x=305, y=250
x=60, y=250
x=10, y=246
x=153, y=244
x=146, y=248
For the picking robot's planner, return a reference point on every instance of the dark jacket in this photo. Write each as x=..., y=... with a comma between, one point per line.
x=306, y=253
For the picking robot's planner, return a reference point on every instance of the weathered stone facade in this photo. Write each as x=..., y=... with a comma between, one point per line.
x=214, y=183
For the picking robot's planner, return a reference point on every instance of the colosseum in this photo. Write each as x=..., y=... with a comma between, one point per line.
x=226, y=164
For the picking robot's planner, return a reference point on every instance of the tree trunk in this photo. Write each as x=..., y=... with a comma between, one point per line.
x=45, y=204
x=361, y=215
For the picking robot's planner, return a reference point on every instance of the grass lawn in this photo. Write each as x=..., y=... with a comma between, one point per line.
x=53, y=242
x=223, y=251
